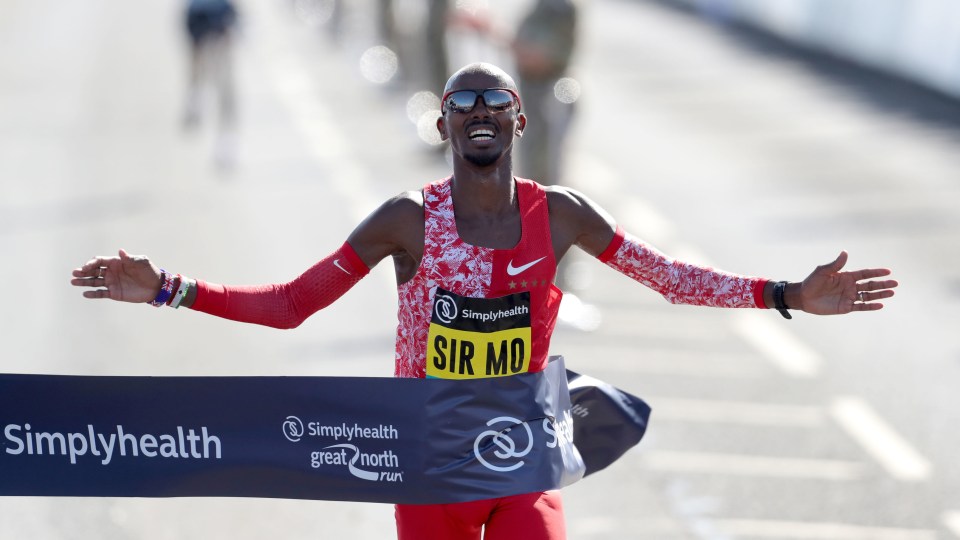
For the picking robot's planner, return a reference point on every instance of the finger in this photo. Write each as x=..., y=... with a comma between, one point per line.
x=89, y=282
x=94, y=264
x=88, y=266
x=869, y=273
x=877, y=295
x=87, y=271
x=870, y=306
x=877, y=285
x=125, y=256
x=97, y=294
x=83, y=282
x=99, y=260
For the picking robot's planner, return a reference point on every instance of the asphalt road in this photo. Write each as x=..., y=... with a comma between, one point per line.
x=714, y=144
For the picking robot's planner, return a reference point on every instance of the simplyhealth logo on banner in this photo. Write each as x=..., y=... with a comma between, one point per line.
x=293, y=429
x=510, y=447
x=358, y=463
x=24, y=439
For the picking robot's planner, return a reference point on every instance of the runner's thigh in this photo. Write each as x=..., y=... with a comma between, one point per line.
x=532, y=516
x=461, y=521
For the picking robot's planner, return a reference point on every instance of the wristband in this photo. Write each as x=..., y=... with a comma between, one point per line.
x=181, y=293
x=778, y=302
x=176, y=285
x=166, y=289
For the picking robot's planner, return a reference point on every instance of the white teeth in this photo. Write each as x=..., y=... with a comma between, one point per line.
x=481, y=135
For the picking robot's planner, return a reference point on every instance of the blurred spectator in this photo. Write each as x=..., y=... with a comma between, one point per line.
x=209, y=25
x=543, y=46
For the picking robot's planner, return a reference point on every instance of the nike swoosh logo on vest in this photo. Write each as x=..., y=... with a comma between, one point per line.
x=514, y=270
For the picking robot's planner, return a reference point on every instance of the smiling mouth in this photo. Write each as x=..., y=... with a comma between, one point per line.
x=481, y=135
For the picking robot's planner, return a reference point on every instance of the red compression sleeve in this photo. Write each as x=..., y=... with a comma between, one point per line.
x=680, y=282
x=285, y=305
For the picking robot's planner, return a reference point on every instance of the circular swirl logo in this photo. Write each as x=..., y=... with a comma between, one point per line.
x=506, y=446
x=293, y=429
x=445, y=308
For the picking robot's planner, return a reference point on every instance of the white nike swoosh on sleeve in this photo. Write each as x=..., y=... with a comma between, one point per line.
x=336, y=262
x=514, y=270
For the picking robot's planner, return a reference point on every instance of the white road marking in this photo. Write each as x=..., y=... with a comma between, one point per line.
x=777, y=344
x=801, y=530
x=951, y=520
x=734, y=412
x=746, y=465
x=880, y=440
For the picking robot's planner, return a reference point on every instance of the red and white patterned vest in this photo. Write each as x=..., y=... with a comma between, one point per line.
x=474, y=311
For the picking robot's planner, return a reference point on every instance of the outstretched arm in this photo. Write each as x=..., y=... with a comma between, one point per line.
x=828, y=290
x=386, y=231
x=285, y=305
x=576, y=220
x=129, y=278
x=681, y=282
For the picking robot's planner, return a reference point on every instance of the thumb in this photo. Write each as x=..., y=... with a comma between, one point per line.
x=126, y=257
x=837, y=264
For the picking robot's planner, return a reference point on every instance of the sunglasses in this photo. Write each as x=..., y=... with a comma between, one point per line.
x=496, y=99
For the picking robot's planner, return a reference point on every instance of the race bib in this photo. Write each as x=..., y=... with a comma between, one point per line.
x=477, y=338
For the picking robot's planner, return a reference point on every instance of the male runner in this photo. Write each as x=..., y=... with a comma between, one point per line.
x=481, y=237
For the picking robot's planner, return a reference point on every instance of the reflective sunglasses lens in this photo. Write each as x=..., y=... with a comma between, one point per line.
x=462, y=101
x=498, y=100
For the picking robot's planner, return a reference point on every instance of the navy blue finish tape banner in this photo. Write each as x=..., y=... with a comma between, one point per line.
x=409, y=441
x=606, y=420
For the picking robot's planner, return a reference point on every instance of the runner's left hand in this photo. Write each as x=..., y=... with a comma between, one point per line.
x=829, y=290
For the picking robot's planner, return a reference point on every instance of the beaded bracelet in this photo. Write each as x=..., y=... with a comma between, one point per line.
x=166, y=289
x=176, y=285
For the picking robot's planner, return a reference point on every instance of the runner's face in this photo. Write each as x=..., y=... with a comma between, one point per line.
x=470, y=133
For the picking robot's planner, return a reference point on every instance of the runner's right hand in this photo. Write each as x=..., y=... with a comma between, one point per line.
x=126, y=278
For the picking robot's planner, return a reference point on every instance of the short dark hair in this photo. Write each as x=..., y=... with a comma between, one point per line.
x=505, y=80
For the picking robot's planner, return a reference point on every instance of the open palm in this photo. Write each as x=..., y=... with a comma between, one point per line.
x=828, y=290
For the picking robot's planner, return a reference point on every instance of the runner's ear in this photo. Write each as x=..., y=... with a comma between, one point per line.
x=521, y=123
x=442, y=128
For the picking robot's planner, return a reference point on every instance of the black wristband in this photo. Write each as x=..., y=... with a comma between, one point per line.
x=778, y=302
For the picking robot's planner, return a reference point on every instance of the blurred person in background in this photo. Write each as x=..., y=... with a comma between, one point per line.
x=543, y=48
x=209, y=24
x=480, y=236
